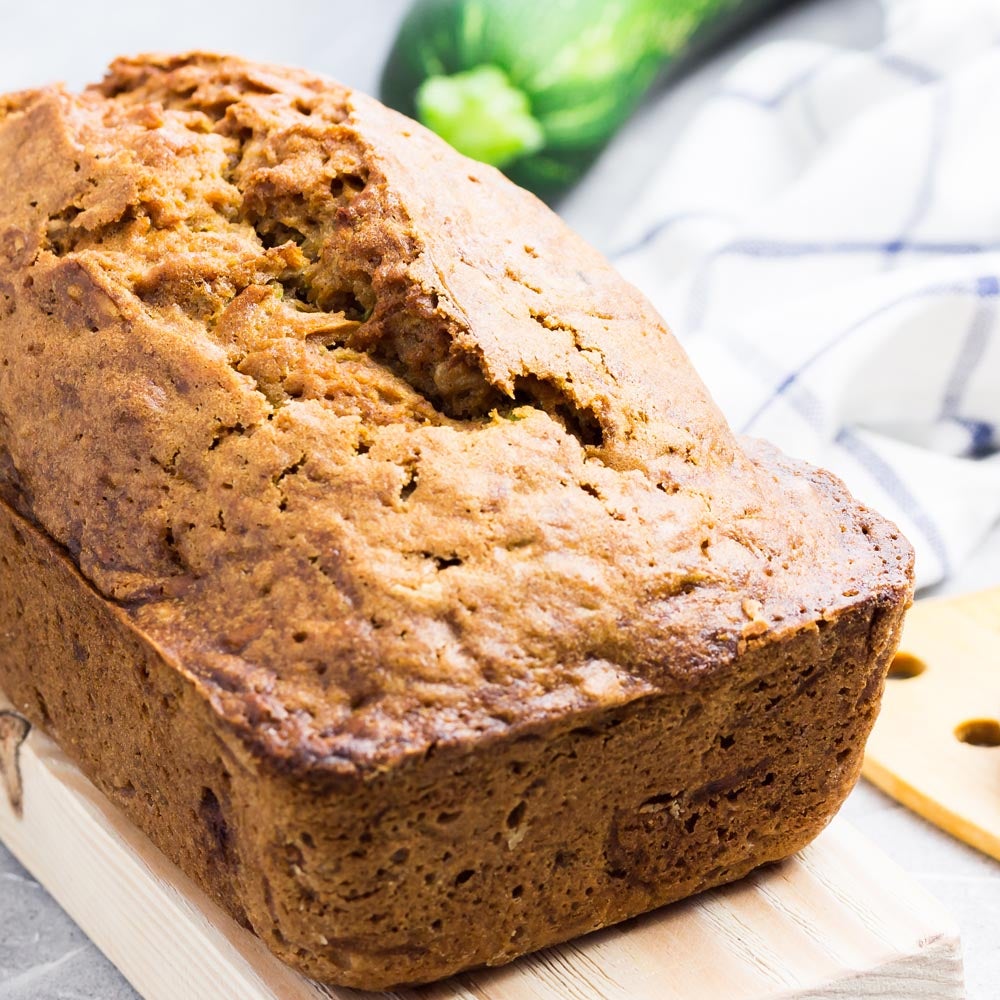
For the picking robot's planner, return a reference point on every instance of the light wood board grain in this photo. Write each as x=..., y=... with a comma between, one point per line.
x=839, y=920
x=943, y=691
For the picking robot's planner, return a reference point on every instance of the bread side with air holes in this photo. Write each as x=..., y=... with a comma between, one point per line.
x=374, y=546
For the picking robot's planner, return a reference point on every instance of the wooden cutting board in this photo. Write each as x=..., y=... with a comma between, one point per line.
x=936, y=745
x=839, y=920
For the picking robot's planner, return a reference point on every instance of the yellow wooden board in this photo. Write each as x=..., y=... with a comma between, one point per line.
x=838, y=921
x=936, y=744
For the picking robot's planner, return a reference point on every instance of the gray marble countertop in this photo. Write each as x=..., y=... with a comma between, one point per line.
x=43, y=955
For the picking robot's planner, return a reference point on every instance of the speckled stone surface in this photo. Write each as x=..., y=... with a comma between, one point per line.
x=43, y=955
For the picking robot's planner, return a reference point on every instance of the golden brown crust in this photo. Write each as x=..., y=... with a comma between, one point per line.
x=468, y=855
x=335, y=521
x=380, y=469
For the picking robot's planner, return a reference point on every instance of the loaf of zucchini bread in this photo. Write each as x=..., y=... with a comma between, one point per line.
x=374, y=546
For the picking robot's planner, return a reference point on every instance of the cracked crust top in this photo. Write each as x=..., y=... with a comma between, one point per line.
x=371, y=445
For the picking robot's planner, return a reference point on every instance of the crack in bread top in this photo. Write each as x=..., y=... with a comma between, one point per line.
x=372, y=446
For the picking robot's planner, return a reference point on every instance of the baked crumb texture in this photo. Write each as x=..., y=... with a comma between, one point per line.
x=375, y=547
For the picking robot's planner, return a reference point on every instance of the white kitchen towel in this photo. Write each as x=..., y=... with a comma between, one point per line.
x=825, y=240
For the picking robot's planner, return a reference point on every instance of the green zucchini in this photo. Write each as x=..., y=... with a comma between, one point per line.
x=538, y=87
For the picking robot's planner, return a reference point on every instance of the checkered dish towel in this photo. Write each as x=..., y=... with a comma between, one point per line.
x=825, y=240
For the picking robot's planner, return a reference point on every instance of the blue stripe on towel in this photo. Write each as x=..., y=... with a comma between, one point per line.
x=802, y=248
x=767, y=249
x=983, y=440
x=982, y=288
x=905, y=66
x=925, y=190
x=970, y=354
x=987, y=285
x=894, y=62
x=786, y=90
x=668, y=222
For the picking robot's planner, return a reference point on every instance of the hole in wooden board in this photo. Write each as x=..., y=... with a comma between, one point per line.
x=979, y=732
x=906, y=666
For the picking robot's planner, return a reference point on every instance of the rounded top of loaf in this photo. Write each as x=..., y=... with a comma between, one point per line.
x=372, y=446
